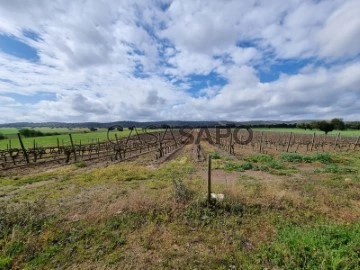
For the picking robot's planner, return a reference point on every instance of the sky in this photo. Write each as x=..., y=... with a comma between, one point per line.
x=97, y=60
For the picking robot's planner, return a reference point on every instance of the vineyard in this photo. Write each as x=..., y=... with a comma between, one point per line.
x=282, y=200
x=114, y=149
x=272, y=142
x=158, y=144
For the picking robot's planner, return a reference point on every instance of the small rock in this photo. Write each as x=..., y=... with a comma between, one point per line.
x=218, y=197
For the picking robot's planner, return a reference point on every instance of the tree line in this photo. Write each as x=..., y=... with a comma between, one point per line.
x=326, y=126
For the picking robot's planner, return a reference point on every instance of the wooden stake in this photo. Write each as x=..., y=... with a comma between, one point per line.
x=209, y=178
x=336, y=141
x=357, y=141
x=23, y=148
x=288, y=146
x=312, y=142
x=73, y=146
x=261, y=139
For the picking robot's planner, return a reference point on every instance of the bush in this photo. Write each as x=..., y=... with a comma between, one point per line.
x=181, y=193
x=215, y=155
x=231, y=166
x=35, y=133
x=30, y=132
x=321, y=157
x=2, y=137
x=291, y=157
x=260, y=158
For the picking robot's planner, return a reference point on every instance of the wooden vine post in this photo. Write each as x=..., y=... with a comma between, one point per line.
x=209, y=179
x=261, y=140
x=357, y=142
x=312, y=142
x=336, y=141
x=73, y=146
x=231, y=147
x=289, y=142
x=23, y=148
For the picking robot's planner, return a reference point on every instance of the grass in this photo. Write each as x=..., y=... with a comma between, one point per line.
x=349, y=132
x=295, y=157
x=64, y=139
x=326, y=246
x=128, y=215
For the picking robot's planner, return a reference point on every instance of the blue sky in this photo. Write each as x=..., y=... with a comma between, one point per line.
x=179, y=60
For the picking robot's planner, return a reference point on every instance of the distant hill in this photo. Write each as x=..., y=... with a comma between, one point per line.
x=146, y=124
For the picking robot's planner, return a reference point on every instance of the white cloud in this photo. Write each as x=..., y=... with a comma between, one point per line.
x=123, y=60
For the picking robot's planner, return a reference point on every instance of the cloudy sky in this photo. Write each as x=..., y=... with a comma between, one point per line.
x=94, y=60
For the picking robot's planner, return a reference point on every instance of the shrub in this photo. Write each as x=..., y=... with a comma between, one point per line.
x=30, y=132
x=231, y=166
x=2, y=137
x=260, y=158
x=332, y=168
x=181, y=193
x=322, y=157
x=215, y=155
x=291, y=157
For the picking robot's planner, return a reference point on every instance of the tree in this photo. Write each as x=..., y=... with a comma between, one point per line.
x=30, y=132
x=301, y=125
x=325, y=126
x=338, y=124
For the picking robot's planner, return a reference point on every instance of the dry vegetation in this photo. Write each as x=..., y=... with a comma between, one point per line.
x=280, y=211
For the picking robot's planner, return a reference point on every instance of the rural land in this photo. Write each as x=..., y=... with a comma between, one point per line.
x=287, y=198
x=180, y=135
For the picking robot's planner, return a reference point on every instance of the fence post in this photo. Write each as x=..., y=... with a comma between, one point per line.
x=23, y=148
x=336, y=141
x=357, y=141
x=261, y=139
x=312, y=142
x=288, y=146
x=209, y=178
x=73, y=147
x=98, y=143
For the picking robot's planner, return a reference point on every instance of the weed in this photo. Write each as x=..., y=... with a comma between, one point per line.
x=291, y=157
x=81, y=164
x=261, y=158
x=232, y=166
x=321, y=157
x=181, y=193
x=5, y=262
x=215, y=155
x=325, y=246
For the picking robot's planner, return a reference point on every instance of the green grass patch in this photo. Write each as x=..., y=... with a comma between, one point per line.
x=322, y=247
x=298, y=158
x=232, y=166
x=215, y=155
x=260, y=158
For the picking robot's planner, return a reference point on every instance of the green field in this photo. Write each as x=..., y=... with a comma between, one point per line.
x=83, y=135
x=86, y=136
x=350, y=132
